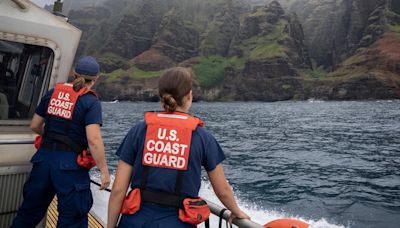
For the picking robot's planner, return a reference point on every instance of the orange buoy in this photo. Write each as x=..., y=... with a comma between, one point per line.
x=286, y=223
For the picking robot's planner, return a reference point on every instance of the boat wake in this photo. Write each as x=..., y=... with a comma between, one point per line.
x=100, y=203
x=312, y=100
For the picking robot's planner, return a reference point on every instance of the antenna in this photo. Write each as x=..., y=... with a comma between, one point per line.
x=57, y=8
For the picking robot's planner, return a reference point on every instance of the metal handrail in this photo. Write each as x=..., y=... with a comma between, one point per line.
x=16, y=141
x=245, y=223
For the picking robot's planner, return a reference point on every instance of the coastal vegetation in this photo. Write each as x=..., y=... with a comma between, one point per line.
x=209, y=71
x=134, y=73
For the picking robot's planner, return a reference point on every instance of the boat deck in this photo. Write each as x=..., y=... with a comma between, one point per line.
x=52, y=215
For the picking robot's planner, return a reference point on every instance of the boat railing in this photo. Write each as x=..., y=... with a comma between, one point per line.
x=15, y=141
x=245, y=223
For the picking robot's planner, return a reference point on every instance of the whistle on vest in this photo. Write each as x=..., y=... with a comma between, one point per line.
x=86, y=160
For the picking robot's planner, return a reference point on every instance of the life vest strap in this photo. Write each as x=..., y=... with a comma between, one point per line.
x=161, y=198
x=178, y=181
x=63, y=139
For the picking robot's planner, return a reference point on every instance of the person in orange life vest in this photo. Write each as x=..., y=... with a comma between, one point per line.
x=167, y=147
x=69, y=119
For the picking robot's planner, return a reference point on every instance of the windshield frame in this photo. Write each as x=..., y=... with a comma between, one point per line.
x=51, y=73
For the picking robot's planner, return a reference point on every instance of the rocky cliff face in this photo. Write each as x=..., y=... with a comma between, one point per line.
x=175, y=41
x=81, y=4
x=135, y=32
x=373, y=72
x=217, y=38
x=272, y=44
x=247, y=50
x=176, y=38
x=335, y=29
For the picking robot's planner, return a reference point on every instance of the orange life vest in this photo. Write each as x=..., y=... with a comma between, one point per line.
x=62, y=104
x=167, y=145
x=168, y=137
x=63, y=100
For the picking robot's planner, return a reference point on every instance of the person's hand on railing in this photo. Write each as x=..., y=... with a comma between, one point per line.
x=105, y=180
x=240, y=214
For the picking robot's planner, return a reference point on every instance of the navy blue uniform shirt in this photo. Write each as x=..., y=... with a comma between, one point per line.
x=87, y=111
x=204, y=151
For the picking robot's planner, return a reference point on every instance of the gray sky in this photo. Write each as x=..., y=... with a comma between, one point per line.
x=42, y=2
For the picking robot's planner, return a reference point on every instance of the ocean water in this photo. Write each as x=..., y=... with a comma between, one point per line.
x=332, y=164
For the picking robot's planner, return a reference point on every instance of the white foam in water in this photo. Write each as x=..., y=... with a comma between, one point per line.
x=257, y=215
x=100, y=202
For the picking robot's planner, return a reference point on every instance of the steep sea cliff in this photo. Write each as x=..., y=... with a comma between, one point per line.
x=246, y=50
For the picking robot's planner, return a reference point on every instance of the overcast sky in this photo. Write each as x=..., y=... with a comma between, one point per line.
x=42, y=2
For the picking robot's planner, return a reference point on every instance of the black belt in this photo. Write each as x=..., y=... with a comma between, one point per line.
x=56, y=146
x=64, y=140
x=161, y=198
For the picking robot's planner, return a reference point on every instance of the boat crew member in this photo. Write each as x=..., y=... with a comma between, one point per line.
x=161, y=159
x=69, y=119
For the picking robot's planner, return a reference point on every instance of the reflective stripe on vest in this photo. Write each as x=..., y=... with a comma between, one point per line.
x=168, y=137
x=63, y=100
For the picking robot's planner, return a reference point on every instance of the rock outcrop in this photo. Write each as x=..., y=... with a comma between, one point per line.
x=217, y=38
x=135, y=32
x=176, y=38
x=271, y=42
x=126, y=88
x=336, y=29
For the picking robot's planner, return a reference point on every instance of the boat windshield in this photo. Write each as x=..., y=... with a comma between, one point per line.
x=24, y=76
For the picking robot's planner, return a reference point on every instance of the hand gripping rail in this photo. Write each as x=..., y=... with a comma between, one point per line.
x=245, y=223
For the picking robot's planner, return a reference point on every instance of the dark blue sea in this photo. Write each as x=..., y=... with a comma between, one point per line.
x=332, y=164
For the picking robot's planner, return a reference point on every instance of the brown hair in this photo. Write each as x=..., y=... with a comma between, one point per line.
x=173, y=85
x=80, y=80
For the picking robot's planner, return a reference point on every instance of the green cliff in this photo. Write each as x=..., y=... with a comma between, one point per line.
x=246, y=50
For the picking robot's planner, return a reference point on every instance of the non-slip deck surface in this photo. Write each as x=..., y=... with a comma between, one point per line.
x=52, y=216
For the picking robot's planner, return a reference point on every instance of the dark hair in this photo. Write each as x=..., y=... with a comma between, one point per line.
x=173, y=85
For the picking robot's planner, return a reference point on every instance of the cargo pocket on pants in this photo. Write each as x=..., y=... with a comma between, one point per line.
x=81, y=199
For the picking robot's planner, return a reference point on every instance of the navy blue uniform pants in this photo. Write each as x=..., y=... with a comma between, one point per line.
x=55, y=173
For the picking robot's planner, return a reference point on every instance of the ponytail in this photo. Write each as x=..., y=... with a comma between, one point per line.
x=168, y=102
x=173, y=85
x=78, y=83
